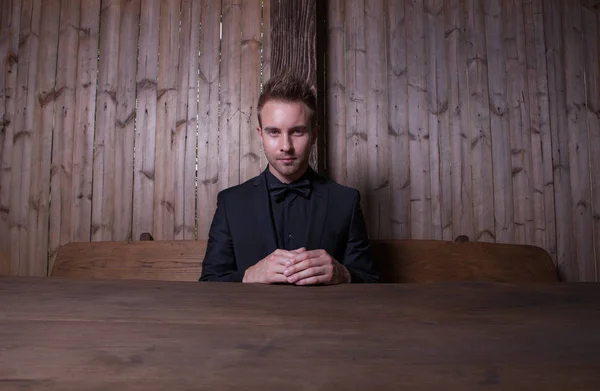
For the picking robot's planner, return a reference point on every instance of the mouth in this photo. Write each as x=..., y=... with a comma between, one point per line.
x=287, y=160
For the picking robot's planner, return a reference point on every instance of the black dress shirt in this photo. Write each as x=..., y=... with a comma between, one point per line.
x=290, y=215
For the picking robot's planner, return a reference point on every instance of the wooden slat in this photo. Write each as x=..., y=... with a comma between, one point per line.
x=560, y=142
x=591, y=34
x=208, y=117
x=145, y=135
x=250, y=88
x=356, y=106
x=177, y=260
x=544, y=128
x=537, y=152
x=499, y=122
x=336, y=92
x=187, y=109
x=431, y=261
x=479, y=123
x=462, y=209
x=266, y=41
x=579, y=163
x=418, y=127
x=518, y=120
x=230, y=79
x=166, y=118
x=266, y=57
x=397, y=80
x=85, y=112
x=103, y=185
x=125, y=120
x=11, y=21
x=41, y=148
x=64, y=124
x=378, y=169
x=23, y=137
x=439, y=137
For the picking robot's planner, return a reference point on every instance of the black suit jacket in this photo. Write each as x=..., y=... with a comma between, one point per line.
x=242, y=231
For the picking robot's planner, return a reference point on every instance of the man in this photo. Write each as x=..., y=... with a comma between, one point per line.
x=288, y=225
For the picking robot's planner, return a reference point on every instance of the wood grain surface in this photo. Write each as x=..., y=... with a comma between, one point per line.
x=58, y=334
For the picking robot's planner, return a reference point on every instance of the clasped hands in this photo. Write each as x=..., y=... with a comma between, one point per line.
x=299, y=267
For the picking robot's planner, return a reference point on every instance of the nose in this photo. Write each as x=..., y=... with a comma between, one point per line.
x=287, y=145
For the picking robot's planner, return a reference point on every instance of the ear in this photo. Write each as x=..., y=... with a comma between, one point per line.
x=259, y=131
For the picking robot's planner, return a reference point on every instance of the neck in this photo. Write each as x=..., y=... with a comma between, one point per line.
x=288, y=179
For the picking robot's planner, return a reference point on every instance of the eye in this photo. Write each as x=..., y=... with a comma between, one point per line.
x=299, y=132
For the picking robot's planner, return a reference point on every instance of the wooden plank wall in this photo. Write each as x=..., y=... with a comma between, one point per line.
x=112, y=122
x=474, y=117
x=491, y=128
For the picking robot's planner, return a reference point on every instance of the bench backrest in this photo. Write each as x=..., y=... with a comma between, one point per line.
x=397, y=260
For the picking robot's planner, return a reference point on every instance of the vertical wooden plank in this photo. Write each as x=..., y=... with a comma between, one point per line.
x=542, y=99
x=462, y=203
x=398, y=120
x=591, y=36
x=250, y=89
x=265, y=57
x=293, y=40
x=336, y=92
x=499, y=123
x=103, y=186
x=208, y=116
x=5, y=19
x=578, y=140
x=479, y=117
x=125, y=116
x=166, y=117
x=439, y=136
x=537, y=155
x=266, y=40
x=560, y=142
x=41, y=151
x=11, y=21
x=418, y=126
x=356, y=106
x=229, y=124
x=64, y=123
x=23, y=136
x=83, y=136
x=377, y=113
x=145, y=119
x=187, y=112
x=518, y=120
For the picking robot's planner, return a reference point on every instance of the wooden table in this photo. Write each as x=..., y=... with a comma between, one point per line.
x=58, y=334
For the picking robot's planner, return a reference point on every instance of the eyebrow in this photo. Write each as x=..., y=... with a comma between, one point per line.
x=293, y=128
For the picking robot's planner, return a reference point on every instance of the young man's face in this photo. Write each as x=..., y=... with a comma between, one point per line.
x=287, y=138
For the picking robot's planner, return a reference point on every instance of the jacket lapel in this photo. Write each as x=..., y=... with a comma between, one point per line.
x=318, y=212
x=262, y=209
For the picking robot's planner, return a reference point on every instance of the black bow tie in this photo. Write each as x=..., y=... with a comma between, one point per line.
x=279, y=190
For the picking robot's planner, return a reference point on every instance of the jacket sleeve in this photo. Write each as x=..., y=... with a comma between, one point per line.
x=219, y=262
x=357, y=258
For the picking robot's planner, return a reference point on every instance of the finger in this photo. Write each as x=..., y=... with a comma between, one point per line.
x=291, y=269
x=282, y=258
x=295, y=267
x=305, y=255
x=299, y=250
x=275, y=278
x=314, y=280
x=306, y=273
x=284, y=253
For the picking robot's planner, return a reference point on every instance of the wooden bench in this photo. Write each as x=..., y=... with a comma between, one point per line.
x=419, y=261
